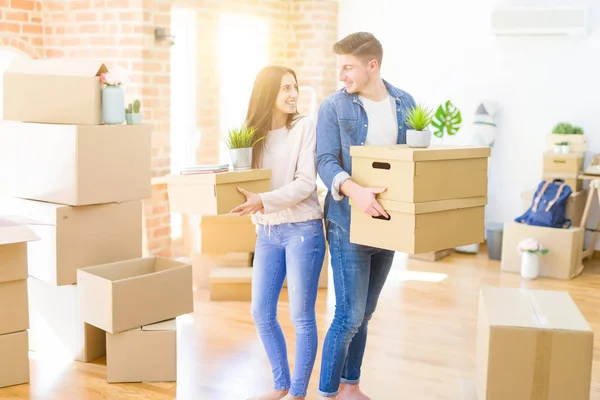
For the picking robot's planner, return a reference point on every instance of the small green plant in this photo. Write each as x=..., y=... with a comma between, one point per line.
x=562, y=143
x=136, y=106
x=447, y=118
x=129, y=109
x=241, y=138
x=419, y=117
x=564, y=128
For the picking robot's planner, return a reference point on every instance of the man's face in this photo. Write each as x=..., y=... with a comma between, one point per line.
x=355, y=73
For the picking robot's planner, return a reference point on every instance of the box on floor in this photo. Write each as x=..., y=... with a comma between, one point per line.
x=78, y=237
x=125, y=295
x=14, y=360
x=203, y=264
x=532, y=344
x=575, y=204
x=214, y=194
x=53, y=91
x=145, y=354
x=75, y=165
x=563, y=260
x=56, y=327
x=426, y=190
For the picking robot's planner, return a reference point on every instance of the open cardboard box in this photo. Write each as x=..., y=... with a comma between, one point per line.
x=75, y=165
x=215, y=193
x=124, y=295
x=53, y=91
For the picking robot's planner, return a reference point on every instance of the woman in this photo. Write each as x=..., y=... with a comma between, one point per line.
x=289, y=223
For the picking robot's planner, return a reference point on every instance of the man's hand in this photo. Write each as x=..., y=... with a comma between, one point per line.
x=252, y=205
x=364, y=198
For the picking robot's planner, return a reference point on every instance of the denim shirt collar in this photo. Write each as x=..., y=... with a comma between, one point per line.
x=395, y=93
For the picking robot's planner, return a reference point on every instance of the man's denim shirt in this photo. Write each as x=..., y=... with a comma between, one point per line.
x=341, y=123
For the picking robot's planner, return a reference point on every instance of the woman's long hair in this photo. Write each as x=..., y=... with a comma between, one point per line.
x=260, y=109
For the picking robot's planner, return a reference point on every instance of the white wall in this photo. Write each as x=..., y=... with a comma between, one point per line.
x=440, y=49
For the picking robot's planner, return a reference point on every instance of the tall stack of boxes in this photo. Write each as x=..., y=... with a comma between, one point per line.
x=80, y=181
x=14, y=313
x=564, y=245
x=435, y=196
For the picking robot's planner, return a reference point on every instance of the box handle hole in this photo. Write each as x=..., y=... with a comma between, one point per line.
x=382, y=217
x=381, y=165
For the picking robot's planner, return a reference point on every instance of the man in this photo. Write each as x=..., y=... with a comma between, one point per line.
x=367, y=111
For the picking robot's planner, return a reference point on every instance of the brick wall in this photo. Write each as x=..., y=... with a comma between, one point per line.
x=122, y=32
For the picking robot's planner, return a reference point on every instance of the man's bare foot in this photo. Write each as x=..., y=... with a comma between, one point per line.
x=272, y=395
x=351, y=392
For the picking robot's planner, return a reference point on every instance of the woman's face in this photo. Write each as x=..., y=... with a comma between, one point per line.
x=288, y=95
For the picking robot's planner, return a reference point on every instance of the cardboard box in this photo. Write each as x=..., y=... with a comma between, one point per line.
x=55, y=325
x=146, y=354
x=53, y=91
x=75, y=165
x=203, y=264
x=415, y=228
x=14, y=314
x=14, y=359
x=575, y=204
x=577, y=143
x=124, y=295
x=214, y=194
x=532, y=344
x=221, y=234
x=14, y=236
x=231, y=284
x=563, y=260
x=78, y=237
x=571, y=163
x=422, y=175
x=574, y=183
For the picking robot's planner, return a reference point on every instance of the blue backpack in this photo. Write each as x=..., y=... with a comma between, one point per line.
x=549, y=206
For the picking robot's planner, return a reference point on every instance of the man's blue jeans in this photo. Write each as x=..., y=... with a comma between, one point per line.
x=359, y=273
x=298, y=250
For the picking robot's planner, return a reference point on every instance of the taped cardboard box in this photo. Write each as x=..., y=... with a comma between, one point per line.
x=146, y=354
x=532, y=344
x=421, y=175
x=124, y=295
x=75, y=165
x=78, y=237
x=221, y=234
x=415, y=228
x=14, y=312
x=55, y=326
x=575, y=204
x=563, y=260
x=14, y=235
x=53, y=91
x=14, y=359
x=215, y=193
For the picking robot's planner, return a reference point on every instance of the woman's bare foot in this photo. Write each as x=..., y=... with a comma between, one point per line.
x=351, y=392
x=272, y=395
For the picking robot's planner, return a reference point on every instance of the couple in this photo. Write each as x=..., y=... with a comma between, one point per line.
x=291, y=240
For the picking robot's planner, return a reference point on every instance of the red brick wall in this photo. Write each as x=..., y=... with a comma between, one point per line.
x=122, y=32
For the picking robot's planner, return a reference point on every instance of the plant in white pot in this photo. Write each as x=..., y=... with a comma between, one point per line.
x=418, y=119
x=240, y=142
x=530, y=250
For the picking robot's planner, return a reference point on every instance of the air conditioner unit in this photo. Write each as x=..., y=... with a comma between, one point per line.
x=563, y=21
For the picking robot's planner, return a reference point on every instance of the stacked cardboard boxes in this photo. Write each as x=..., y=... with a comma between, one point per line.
x=435, y=197
x=81, y=183
x=532, y=344
x=564, y=166
x=136, y=303
x=14, y=315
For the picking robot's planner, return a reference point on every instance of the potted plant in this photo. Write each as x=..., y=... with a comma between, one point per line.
x=530, y=249
x=132, y=113
x=447, y=118
x=128, y=112
x=240, y=142
x=562, y=148
x=113, y=96
x=418, y=119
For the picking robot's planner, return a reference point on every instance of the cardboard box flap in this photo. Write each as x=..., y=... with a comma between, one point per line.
x=430, y=206
x=220, y=178
x=168, y=325
x=402, y=152
x=131, y=269
x=56, y=67
x=14, y=231
x=541, y=309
